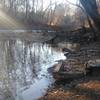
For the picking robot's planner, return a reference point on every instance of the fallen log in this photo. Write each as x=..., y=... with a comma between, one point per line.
x=68, y=69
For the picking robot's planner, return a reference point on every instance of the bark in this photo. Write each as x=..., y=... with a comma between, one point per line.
x=91, y=8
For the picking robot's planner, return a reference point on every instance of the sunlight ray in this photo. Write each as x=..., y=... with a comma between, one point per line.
x=7, y=21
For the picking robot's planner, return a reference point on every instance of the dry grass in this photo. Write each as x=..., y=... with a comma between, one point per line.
x=64, y=95
x=90, y=85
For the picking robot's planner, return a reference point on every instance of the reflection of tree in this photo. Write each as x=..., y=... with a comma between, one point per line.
x=19, y=62
x=7, y=87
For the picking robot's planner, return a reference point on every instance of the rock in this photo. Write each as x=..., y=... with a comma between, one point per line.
x=93, y=67
x=74, y=47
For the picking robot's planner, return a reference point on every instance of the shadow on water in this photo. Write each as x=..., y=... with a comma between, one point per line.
x=23, y=69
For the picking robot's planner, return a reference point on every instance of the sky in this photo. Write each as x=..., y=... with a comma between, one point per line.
x=47, y=2
x=72, y=1
x=61, y=1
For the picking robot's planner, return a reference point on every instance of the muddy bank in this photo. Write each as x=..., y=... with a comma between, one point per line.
x=77, y=90
x=85, y=88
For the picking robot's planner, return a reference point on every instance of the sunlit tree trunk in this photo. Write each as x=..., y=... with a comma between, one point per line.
x=33, y=6
x=26, y=9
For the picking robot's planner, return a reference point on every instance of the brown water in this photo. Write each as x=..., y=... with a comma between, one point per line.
x=23, y=69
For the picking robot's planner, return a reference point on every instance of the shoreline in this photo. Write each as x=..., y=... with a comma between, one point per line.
x=86, y=88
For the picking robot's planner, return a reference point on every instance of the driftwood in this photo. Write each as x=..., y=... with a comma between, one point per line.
x=68, y=69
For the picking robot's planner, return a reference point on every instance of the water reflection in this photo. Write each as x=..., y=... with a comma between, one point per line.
x=23, y=69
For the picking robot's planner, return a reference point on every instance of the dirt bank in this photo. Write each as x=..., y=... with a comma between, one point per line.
x=86, y=88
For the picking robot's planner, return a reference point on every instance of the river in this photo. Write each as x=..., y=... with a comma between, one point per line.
x=23, y=69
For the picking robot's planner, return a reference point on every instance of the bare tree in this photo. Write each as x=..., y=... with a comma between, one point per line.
x=91, y=8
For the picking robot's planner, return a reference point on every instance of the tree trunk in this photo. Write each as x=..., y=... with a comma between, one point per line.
x=90, y=7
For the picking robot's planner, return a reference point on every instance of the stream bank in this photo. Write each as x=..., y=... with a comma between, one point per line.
x=86, y=88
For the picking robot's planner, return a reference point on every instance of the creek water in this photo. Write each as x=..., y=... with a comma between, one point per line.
x=23, y=69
